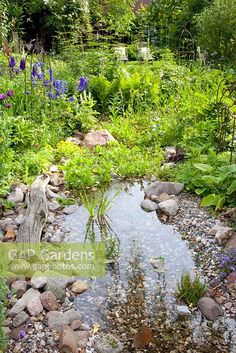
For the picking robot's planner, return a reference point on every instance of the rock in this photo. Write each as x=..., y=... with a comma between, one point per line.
x=38, y=280
x=53, y=206
x=54, y=169
x=57, y=291
x=231, y=244
x=72, y=315
x=35, y=307
x=169, y=207
x=10, y=234
x=16, y=196
x=209, y=308
x=20, y=319
x=98, y=138
x=55, y=180
x=79, y=287
x=170, y=152
x=50, y=194
x=143, y=338
x=82, y=338
x=55, y=279
x=57, y=237
x=107, y=343
x=215, y=228
x=51, y=217
x=183, y=311
x=56, y=320
x=21, y=303
x=231, y=278
x=49, y=301
x=19, y=219
x=19, y=287
x=76, y=324
x=224, y=234
x=85, y=327
x=17, y=332
x=76, y=141
x=70, y=209
x=228, y=305
x=158, y=187
x=148, y=205
x=7, y=322
x=6, y=331
x=6, y=223
x=68, y=343
x=162, y=197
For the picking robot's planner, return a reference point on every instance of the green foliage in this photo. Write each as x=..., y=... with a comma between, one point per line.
x=190, y=290
x=217, y=29
x=3, y=303
x=66, y=201
x=213, y=179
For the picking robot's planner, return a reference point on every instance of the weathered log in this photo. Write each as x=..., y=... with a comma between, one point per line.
x=30, y=230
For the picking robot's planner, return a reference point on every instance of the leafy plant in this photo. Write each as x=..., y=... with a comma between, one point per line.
x=3, y=303
x=190, y=290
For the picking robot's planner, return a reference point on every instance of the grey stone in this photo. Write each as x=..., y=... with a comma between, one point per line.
x=209, y=308
x=183, y=311
x=70, y=209
x=56, y=320
x=49, y=301
x=6, y=223
x=57, y=237
x=159, y=187
x=148, y=205
x=55, y=279
x=231, y=244
x=50, y=194
x=53, y=206
x=57, y=291
x=79, y=287
x=51, y=217
x=107, y=343
x=21, y=303
x=16, y=196
x=19, y=287
x=224, y=234
x=20, y=318
x=35, y=306
x=82, y=338
x=169, y=207
x=38, y=280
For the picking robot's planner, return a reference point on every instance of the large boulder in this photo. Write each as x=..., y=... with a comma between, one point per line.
x=98, y=138
x=159, y=187
x=231, y=244
x=16, y=196
x=24, y=301
x=68, y=342
x=209, y=308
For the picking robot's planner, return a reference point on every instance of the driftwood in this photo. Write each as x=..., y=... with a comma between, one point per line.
x=30, y=230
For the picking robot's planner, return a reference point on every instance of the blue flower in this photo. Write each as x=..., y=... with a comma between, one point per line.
x=83, y=84
x=52, y=95
x=60, y=87
x=27, y=92
x=51, y=75
x=40, y=76
x=22, y=64
x=72, y=99
x=46, y=83
x=12, y=62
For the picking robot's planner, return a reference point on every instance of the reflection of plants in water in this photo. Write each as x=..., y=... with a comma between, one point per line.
x=97, y=207
x=190, y=290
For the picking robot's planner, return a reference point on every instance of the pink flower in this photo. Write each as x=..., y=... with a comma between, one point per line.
x=10, y=93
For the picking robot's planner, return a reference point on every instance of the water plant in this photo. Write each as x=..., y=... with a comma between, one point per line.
x=190, y=290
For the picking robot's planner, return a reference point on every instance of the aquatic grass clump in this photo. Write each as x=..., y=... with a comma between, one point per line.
x=190, y=290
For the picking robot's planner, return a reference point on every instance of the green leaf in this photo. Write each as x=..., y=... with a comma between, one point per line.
x=220, y=203
x=210, y=179
x=228, y=169
x=200, y=191
x=231, y=188
x=210, y=200
x=203, y=167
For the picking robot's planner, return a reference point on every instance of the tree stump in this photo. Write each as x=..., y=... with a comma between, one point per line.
x=30, y=230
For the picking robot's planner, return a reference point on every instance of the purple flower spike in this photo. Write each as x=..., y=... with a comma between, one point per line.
x=51, y=75
x=83, y=84
x=40, y=76
x=12, y=62
x=22, y=334
x=72, y=99
x=22, y=64
x=10, y=93
x=2, y=96
x=8, y=105
x=46, y=83
x=9, y=296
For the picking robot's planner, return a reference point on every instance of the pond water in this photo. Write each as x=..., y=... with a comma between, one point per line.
x=138, y=289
